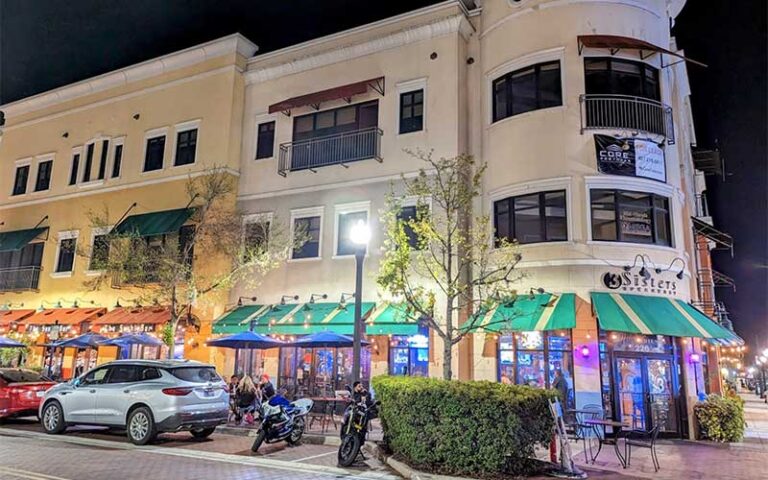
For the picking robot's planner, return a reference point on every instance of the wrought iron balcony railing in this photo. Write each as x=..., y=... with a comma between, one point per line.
x=623, y=112
x=16, y=279
x=337, y=149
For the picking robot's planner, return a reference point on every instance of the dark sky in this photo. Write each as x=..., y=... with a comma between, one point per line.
x=48, y=43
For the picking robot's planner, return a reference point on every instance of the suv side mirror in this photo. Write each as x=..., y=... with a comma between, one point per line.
x=76, y=382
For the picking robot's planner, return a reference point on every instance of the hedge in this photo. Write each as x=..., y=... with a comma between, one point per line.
x=721, y=419
x=463, y=428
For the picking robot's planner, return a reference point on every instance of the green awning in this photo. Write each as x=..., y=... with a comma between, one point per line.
x=155, y=223
x=648, y=315
x=390, y=319
x=539, y=312
x=238, y=320
x=18, y=239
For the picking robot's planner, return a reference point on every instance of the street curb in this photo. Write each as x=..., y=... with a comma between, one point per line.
x=403, y=469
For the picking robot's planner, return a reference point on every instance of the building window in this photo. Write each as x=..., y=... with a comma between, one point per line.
x=265, y=141
x=409, y=355
x=339, y=120
x=534, y=218
x=75, y=168
x=117, y=160
x=153, y=159
x=532, y=358
x=99, y=252
x=613, y=76
x=412, y=111
x=257, y=236
x=634, y=217
x=527, y=89
x=88, y=162
x=43, y=175
x=186, y=145
x=406, y=214
x=103, y=159
x=307, y=232
x=345, y=222
x=20, y=182
x=65, y=259
x=29, y=256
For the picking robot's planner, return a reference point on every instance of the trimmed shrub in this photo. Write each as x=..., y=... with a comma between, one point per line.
x=463, y=428
x=721, y=419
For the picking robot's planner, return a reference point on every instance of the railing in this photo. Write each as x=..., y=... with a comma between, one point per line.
x=19, y=278
x=624, y=112
x=337, y=149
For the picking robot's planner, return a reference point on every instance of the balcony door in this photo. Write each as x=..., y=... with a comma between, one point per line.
x=612, y=76
x=20, y=269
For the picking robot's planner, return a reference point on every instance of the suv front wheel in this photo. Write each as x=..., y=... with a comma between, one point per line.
x=53, y=418
x=141, y=426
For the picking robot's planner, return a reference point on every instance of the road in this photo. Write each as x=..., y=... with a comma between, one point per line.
x=90, y=454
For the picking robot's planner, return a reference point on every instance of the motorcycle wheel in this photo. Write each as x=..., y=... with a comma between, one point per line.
x=296, y=433
x=348, y=450
x=259, y=440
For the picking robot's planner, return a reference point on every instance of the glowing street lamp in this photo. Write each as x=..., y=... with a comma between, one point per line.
x=360, y=234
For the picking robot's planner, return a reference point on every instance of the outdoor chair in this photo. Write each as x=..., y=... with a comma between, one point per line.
x=639, y=438
x=324, y=412
x=582, y=431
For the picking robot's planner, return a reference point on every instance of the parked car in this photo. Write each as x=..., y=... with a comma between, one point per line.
x=146, y=397
x=21, y=391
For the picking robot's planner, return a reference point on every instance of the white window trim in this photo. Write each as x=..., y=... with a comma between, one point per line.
x=95, y=232
x=155, y=132
x=634, y=184
x=64, y=235
x=341, y=209
x=411, y=86
x=304, y=213
x=177, y=129
x=517, y=63
x=38, y=160
x=258, y=120
x=111, y=160
x=22, y=162
x=531, y=187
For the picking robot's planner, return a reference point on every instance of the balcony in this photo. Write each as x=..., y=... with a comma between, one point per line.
x=337, y=149
x=623, y=112
x=15, y=279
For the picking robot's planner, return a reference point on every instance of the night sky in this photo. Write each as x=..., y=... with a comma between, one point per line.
x=48, y=43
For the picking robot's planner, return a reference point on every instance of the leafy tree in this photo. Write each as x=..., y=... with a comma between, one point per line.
x=182, y=270
x=445, y=257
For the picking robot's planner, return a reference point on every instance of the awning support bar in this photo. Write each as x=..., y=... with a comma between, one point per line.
x=133, y=205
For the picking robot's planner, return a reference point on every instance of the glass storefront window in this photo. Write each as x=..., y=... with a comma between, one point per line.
x=627, y=342
x=249, y=362
x=315, y=372
x=536, y=359
x=409, y=355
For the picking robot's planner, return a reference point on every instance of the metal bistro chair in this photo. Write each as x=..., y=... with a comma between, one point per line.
x=639, y=438
x=582, y=431
x=323, y=410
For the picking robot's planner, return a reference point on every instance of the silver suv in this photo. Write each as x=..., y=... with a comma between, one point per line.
x=145, y=397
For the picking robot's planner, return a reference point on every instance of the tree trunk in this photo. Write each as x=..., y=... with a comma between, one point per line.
x=172, y=343
x=447, y=359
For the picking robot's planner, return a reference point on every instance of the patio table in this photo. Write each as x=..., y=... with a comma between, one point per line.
x=604, y=439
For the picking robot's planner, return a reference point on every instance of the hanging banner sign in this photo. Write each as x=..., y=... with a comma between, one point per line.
x=631, y=157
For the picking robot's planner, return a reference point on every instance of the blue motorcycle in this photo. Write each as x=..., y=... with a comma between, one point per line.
x=282, y=420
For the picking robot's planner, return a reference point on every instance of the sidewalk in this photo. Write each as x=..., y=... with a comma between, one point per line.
x=756, y=415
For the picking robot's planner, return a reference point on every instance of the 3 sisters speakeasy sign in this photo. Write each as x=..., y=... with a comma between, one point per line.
x=630, y=282
x=632, y=157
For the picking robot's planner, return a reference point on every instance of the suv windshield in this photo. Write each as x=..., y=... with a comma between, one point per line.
x=22, y=376
x=195, y=374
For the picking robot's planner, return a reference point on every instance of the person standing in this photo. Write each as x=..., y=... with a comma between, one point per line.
x=561, y=385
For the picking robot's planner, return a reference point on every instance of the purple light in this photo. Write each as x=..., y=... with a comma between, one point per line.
x=585, y=351
x=695, y=358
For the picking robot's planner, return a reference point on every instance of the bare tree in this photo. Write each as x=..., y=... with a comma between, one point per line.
x=182, y=269
x=445, y=253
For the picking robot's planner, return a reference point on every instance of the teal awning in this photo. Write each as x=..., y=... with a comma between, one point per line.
x=155, y=223
x=18, y=239
x=539, y=312
x=651, y=315
x=238, y=320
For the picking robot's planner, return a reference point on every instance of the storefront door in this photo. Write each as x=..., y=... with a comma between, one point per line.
x=645, y=392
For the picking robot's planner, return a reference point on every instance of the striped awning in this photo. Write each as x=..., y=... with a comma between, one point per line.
x=390, y=319
x=650, y=315
x=8, y=317
x=64, y=316
x=539, y=312
x=312, y=318
x=239, y=319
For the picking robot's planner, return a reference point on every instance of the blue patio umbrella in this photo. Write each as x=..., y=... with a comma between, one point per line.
x=6, y=342
x=88, y=340
x=128, y=339
x=326, y=339
x=246, y=340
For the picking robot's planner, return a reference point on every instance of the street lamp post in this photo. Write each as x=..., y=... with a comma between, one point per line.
x=360, y=234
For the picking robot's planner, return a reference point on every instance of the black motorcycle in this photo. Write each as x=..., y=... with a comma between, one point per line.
x=282, y=421
x=354, y=430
